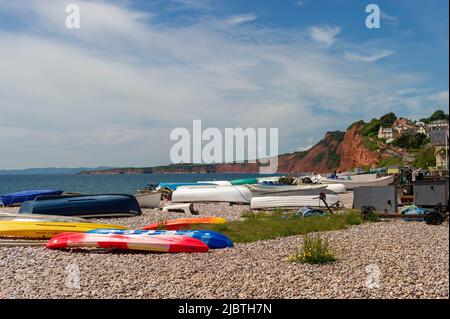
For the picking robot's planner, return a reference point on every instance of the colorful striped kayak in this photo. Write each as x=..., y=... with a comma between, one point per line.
x=36, y=230
x=214, y=240
x=185, y=223
x=163, y=243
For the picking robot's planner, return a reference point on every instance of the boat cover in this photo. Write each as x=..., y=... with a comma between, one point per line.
x=20, y=197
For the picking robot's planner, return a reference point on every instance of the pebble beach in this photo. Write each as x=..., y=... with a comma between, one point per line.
x=388, y=259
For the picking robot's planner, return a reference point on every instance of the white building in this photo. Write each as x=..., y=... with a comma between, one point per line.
x=385, y=132
x=438, y=125
x=422, y=130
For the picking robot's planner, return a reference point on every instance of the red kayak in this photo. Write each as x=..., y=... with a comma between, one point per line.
x=162, y=243
x=184, y=223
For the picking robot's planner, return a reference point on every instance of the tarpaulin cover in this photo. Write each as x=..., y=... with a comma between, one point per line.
x=20, y=197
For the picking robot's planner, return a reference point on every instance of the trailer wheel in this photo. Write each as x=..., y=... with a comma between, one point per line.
x=367, y=210
x=434, y=218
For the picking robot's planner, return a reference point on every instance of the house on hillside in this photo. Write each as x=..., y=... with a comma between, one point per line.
x=404, y=129
x=438, y=125
x=421, y=129
x=387, y=132
x=403, y=122
x=439, y=140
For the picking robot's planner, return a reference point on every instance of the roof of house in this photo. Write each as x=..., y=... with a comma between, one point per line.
x=439, y=137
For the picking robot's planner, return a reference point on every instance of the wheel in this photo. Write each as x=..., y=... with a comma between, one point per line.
x=367, y=210
x=434, y=218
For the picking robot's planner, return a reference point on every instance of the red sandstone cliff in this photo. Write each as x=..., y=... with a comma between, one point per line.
x=353, y=152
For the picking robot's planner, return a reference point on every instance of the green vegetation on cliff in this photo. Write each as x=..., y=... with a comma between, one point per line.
x=425, y=158
x=438, y=115
x=411, y=141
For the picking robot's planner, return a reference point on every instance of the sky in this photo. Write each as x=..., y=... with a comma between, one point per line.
x=110, y=92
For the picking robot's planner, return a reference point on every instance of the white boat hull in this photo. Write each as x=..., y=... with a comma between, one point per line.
x=291, y=201
x=336, y=188
x=148, y=200
x=212, y=193
x=361, y=180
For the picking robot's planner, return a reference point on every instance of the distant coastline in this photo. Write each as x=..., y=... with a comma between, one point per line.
x=51, y=170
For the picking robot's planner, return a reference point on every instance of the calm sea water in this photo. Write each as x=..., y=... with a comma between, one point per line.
x=95, y=184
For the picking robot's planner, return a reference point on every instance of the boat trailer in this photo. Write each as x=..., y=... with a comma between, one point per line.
x=436, y=216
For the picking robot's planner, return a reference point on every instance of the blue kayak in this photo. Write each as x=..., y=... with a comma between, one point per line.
x=20, y=197
x=212, y=239
x=88, y=206
x=174, y=186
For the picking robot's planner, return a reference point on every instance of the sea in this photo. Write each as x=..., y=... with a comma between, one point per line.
x=105, y=184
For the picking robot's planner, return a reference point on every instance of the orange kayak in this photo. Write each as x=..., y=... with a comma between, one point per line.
x=185, y=223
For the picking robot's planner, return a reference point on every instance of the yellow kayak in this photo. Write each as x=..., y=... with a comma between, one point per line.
x=35, y=229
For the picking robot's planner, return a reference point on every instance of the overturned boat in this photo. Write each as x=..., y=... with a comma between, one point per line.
x=295, y=201
x=283, y=190
x=358, y=180
x=212, y=193
x=88, y=206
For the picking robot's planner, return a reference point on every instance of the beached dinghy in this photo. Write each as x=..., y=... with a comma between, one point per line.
x=37, y=230
x=214, y=240
x=20, y=197
x=148, y=199
x=212, y=193
x=353, y=181
x=185, y=223
x=280, y=189
x=157, y=243
x=267, y=202
x=40, y=218
x=88, y=206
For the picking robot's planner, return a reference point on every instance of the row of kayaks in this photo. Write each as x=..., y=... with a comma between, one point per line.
x=169, y=236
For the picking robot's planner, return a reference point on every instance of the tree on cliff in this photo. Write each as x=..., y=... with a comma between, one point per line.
x=388, y=119
x=438, y=115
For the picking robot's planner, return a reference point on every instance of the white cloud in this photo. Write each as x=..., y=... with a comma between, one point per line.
x=388, y=19
x=241, y=18
x=302, y=3
x=324, y=34
x=442, y=98
x=374, y=57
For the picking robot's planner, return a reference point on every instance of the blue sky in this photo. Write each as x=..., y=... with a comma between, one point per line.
x=110, y=92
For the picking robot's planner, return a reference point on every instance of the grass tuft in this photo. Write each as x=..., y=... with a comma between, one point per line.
x=315, y=250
